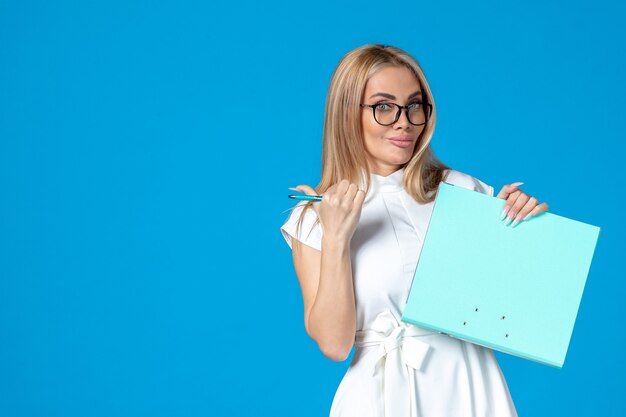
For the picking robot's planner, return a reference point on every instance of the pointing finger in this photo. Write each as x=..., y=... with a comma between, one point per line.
x=305, y=189
x=508, y=190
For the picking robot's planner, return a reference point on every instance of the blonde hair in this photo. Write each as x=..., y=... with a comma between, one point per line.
x=343, y=150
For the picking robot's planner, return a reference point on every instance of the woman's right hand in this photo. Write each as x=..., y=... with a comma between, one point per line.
x=340, y=209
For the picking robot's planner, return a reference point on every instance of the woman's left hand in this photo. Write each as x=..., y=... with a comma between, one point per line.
x=519, y=205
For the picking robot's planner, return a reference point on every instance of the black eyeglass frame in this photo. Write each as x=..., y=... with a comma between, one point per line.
x=400, y=108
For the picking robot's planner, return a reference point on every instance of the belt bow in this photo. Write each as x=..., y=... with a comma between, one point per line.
x=398, y=350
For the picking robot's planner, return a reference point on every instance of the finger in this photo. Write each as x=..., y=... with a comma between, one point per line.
x=342, y=187
x=351, y=192
x=508, y=189
x=510, y=201
x=515, y=213
x=360, y=197
x=305, y=189
x=308, y=191
x=525, y=211
x=335, y=193
x=538, y=209
x=520, y=202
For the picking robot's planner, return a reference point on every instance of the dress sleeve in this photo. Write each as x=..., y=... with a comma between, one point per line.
x=481, y=187
x=309, y=233
x=464, y=180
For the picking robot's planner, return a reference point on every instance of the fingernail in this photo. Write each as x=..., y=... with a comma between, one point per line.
x=517, y=184
x=508, y=221
x=517, y=220
x=291, y=188
x=527, y=216
x=504, y=212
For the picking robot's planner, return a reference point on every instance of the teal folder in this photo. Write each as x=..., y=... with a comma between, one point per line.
x=515, y=290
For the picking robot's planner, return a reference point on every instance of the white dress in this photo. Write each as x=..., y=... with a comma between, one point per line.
x=398, y=369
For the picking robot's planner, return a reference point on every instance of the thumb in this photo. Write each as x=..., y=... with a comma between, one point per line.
x=305, y=189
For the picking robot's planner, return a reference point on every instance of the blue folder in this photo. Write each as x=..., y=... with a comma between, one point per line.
x=516, y=290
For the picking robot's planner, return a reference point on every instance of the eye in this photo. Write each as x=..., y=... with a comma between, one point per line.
x=383, y=107
x=415, y=106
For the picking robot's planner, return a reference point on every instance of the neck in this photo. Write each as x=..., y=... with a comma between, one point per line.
x=385, y=171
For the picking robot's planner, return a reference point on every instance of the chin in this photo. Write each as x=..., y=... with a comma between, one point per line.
x=401, y=159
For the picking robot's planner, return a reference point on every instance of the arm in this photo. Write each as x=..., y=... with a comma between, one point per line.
x=326, y=276
x=327, y=290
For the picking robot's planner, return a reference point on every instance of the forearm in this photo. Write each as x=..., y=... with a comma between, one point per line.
x=332, y=320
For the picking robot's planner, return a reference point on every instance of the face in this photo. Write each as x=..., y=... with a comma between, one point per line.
x=390, y=147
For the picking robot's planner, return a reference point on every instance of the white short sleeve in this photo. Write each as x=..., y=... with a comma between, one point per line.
x=467, y=181
x=481, y=187
x=310, y=232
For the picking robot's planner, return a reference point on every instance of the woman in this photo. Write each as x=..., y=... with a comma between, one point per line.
x=355, y=252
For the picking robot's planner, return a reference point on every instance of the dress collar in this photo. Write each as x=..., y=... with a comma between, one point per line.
x=388, y=184
x=392, y=183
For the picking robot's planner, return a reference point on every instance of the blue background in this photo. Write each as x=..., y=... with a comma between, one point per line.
x=138, y=275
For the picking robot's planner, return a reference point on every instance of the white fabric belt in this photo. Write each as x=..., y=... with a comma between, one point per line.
x=398, y=346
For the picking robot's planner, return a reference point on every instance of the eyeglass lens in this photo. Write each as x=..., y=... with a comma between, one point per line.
x=387, y=113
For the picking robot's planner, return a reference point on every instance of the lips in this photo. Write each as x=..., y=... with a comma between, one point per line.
x=401, y=141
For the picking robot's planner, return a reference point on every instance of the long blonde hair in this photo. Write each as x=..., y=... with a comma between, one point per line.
x=343, y=150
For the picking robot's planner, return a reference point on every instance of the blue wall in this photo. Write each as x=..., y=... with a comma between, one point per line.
x=137, y=275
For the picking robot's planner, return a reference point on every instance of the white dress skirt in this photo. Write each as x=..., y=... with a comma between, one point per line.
x=398, y=369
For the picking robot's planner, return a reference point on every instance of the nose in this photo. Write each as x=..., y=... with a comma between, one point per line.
x=403, y=120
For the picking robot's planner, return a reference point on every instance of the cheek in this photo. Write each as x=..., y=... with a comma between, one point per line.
x=419, y=131
x=371, y=129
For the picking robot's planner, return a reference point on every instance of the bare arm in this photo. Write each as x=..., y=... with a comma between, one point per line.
x=326, y=276
x=328, y=293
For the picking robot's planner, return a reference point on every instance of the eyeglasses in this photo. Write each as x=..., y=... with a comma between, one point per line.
x=385, y=114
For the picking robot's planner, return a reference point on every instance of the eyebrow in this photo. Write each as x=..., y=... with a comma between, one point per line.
x=392, y=97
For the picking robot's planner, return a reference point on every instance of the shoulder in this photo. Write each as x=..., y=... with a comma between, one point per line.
x=464, y=180
x=296, y=212
x=308, y=231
